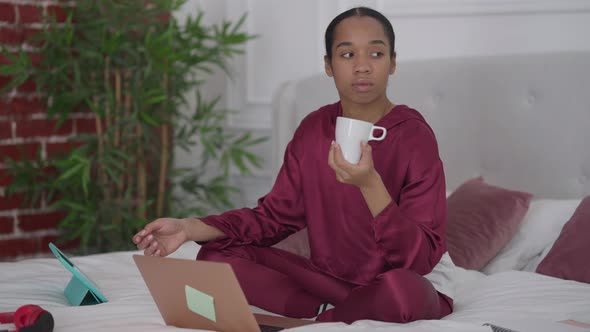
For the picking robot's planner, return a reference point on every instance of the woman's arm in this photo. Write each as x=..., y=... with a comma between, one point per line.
x=375, y=194
x=277, y=215
x=196, y=230
x=363, y=175
x=411, y=232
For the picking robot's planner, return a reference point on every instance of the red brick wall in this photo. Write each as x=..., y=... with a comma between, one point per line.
x=24, y=128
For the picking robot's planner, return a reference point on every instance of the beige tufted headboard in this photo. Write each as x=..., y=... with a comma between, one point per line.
x=521, y=121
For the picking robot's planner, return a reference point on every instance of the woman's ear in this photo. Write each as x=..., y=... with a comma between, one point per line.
x=328, y=66
x=393, y=65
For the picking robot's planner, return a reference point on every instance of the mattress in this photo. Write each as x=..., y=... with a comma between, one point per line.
x=497, y=298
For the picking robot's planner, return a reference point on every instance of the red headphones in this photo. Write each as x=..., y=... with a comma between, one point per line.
x=29, y=318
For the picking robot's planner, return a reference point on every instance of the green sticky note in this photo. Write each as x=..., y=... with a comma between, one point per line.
x=200, y=303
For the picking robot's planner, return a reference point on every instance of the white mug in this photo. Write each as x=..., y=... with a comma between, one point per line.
x=350, y=133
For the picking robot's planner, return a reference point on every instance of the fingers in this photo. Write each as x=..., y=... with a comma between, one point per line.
x=341, y=175
x=150, y=246
x=342, y=167
x=148, y=229
x=152, y=249
x=337, y=162
x=144, y=239
x=139, y=236
x=153, y=226
x=349, y=173
x=145, y=242
x=366, y=154
x=331, y=156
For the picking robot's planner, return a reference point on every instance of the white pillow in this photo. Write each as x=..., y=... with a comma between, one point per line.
x=535, y=261
x=539, y=229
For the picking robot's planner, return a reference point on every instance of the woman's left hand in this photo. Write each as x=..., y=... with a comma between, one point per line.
x=360, y=175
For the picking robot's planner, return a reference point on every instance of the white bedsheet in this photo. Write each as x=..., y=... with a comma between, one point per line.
x=480, y=299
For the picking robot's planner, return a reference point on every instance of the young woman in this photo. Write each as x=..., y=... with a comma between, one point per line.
x=376, y=229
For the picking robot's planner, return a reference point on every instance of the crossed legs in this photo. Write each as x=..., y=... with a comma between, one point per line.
x=290, y=285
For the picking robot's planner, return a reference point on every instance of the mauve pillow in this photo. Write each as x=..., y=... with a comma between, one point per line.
x=568, y=258
x=481, y=219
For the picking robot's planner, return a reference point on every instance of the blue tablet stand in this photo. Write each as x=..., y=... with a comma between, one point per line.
x=80, y=290
x=78, y=294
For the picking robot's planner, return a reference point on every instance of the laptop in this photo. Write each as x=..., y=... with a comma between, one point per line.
x=204, y=295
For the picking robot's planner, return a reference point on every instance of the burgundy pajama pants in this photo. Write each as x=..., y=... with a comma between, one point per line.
x=287, y=284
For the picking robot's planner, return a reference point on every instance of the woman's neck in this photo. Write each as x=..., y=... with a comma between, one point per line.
x=372, y=112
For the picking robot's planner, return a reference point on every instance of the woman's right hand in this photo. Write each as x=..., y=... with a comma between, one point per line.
x=162, y=236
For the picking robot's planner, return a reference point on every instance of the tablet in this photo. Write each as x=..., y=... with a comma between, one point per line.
x=79, y=277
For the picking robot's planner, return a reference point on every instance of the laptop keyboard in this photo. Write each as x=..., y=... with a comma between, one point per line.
x=268, y=328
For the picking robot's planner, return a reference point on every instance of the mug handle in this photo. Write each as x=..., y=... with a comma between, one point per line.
x=380, y=138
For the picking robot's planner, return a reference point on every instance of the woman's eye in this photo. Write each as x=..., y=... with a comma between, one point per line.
x=347, y=55
x=377, y=54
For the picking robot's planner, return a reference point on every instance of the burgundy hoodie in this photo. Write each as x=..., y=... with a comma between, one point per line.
x=346, y=241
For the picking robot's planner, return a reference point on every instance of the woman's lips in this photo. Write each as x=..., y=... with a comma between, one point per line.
x=362, y=86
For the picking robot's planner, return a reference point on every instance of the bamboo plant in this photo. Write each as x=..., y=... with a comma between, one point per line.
x=129, y=66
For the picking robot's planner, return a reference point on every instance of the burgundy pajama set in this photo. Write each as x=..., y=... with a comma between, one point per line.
x=366, y=267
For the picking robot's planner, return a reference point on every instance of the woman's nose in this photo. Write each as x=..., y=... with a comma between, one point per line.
x=362, y=65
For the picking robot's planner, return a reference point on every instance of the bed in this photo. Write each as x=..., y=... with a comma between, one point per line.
x=517, y=121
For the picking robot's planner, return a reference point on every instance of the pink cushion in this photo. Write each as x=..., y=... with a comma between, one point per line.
x=568, y=258
x=481, y=219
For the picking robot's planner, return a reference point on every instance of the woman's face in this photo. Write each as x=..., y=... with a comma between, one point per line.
x=361, y=61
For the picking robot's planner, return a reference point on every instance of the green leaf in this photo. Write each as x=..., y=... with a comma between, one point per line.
x=257, y=141
x=12, y=69
x=15, y=82
x=77, y=168
x=156, y=99
x=148, y=119
x=10, y=55
x=253, y=159
x=73, y=205
x=111, y=162
x=243, y=139
x=237, y=158
x=86, y=179
x=112, y=174
x=120, y=154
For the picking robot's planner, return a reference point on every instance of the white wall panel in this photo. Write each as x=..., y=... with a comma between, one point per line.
x=290, y=43
x=449, y=36
x=282, y=50
x=477, y=7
